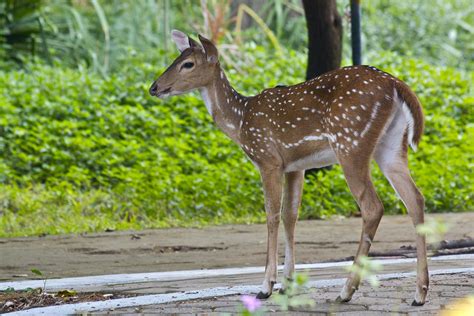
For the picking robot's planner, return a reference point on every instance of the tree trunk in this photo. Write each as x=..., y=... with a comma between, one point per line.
x=324, y=40
x=324, y=36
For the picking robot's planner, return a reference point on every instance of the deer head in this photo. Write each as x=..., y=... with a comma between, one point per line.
x=193, y=69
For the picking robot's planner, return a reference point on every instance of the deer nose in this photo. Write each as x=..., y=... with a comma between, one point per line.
x=153, y=89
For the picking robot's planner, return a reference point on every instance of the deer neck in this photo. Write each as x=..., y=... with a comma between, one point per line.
x=225, y=104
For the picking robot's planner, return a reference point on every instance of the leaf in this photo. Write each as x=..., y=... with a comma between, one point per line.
x=67, y=293
x=9, y=290
x=37, y=272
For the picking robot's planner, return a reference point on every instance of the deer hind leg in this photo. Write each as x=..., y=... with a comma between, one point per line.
x=272, y=181
x=357, y=175
x=391, y=156
x=292, y=190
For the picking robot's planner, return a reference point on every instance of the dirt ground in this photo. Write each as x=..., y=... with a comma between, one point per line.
x=211, y=247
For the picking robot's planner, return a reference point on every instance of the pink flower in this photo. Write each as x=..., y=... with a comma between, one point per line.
x=251, y=303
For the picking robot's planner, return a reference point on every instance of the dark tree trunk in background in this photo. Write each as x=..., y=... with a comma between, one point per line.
x=324, y=36
x=324, y=40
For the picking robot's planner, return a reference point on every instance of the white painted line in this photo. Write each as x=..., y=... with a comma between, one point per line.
x=200, y=294
x=114, y=279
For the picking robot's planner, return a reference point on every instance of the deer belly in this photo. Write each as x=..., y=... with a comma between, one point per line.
x=319, y=159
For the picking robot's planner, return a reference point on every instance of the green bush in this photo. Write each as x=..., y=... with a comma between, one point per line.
x=82, y=153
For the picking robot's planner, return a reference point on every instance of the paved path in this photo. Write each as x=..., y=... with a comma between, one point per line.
x=218, y=291
x=392, y=297
x=206, y=270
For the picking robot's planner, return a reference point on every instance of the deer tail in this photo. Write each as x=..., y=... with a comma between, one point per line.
x=413, y=112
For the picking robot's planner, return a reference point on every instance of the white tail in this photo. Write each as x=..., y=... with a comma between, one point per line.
x=347, y=116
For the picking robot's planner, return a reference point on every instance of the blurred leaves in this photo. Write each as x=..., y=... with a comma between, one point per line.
x=439, y=31
x=366, y=269
x=296, y=293
x=433, y=229
x=100, y=34
x=22, y=29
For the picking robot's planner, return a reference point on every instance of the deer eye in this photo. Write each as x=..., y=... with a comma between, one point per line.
x=188, y=65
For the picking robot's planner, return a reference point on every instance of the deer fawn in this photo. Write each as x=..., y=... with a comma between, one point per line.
x=346, y=116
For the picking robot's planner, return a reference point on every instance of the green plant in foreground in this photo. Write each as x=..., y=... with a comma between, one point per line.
x=38, y=272
x=366, y=269
x=295, y=293
x=434, y=229
x=9, y=290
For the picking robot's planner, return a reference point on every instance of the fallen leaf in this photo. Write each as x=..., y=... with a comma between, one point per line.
x=67, y=293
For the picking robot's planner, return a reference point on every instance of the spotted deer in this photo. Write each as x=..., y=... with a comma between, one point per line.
x=347, y=116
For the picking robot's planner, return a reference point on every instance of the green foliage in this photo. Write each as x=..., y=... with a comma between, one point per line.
x=100, y=33
x=286, y=19
x=21, y=29
x=9, y=290
x=92, y=32
x=434, y=230
x=295, y=294
x=366, y=269
x=82, y=153
x=438, y=31
x=39, y=273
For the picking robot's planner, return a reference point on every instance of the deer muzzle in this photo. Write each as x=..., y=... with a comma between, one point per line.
x=155, y=90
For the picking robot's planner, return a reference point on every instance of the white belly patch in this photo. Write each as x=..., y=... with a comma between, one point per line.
x=319, y=159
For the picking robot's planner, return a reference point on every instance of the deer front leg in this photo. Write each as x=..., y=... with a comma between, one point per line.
x=292, y=190
x=272, y=181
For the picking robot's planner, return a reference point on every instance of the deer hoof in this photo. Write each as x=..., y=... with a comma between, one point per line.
x=263, y=296
x=345, y=295
x=339, y=299
x=415, y=303
x=420, y=295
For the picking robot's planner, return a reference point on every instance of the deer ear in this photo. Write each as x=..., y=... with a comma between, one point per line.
x=193, y=43
x=181, y=40
x=209, y=49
